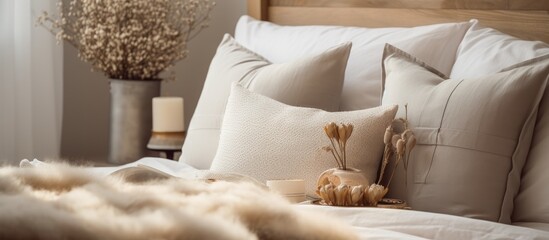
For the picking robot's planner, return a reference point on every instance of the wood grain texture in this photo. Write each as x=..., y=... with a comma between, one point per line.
x=258, y=9
x=421, y=4
x=531, y=25
x=416, y=4
x=529, y=4
x=527, y=19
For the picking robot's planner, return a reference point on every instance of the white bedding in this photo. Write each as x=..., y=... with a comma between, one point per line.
x=369, y=223
x=470, y=51
x=381, y=223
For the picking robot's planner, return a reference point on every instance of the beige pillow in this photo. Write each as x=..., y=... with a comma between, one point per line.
x=435, y=44
x=314, y=81
x=269, y=140
x=486, y=51
x=532, y=202
x=473, y=135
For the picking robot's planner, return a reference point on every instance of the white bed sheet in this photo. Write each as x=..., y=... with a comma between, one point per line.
x=382, y=223
x=536, y=225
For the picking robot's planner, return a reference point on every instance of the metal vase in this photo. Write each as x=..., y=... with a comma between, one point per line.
x=131, y=118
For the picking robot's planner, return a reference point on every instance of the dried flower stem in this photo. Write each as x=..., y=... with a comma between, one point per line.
x=343, y=153
x=387, y=154
x=398, y=145
x=399, y=158
x=336, y=155
x=339, y=134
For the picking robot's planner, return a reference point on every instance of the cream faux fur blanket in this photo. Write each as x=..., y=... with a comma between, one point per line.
x=64, y=202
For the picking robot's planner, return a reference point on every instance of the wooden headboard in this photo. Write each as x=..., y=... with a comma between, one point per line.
x=526, y=19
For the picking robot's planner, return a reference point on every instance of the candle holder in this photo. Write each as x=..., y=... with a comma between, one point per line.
x=168, y=131
x=167, y=142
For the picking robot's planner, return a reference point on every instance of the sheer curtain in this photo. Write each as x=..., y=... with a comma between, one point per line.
x=30, y=83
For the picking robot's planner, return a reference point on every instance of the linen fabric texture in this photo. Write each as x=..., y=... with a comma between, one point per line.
x=435, y=44
x=312, y=81
x=532, y=201
x=486, y=51
x=473, y=134
x=269, y=140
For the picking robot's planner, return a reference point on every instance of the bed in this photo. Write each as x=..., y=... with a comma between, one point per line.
x=483, y=179
x=284, y=33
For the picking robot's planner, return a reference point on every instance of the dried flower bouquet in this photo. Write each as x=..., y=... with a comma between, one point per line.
x=135, y=39
x=399, y=141
x=345, y=186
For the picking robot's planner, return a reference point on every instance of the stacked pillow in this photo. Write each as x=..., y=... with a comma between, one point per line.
x=318, y=86
x=269, y=140
x=434, y=44
x=473, y=128
x=311, y=81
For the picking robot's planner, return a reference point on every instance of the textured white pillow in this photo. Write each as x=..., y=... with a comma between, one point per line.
x=473, y=134
x=313, y=81
x=434, y=44
x=269, y=140
x=486, y=51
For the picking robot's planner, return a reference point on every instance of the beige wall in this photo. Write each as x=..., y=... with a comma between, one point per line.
x=85, y=131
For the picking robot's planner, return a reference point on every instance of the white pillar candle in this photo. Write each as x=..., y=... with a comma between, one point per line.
x=292, y=189
x=287, y=187
x=168, y=114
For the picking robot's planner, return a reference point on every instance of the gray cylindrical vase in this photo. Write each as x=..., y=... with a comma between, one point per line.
x=131, y=118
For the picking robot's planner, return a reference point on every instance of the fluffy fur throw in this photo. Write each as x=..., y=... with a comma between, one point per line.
x=64, y=202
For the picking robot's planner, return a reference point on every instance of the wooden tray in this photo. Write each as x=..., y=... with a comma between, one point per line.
x=384, y=203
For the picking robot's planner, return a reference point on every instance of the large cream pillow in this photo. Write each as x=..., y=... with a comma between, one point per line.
x=486, y=51
x=473, y=134
x=435, y=44
x=313, y=81
x=269, y=140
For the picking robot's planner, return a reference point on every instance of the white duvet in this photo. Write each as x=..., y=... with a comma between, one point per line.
x=369, y=223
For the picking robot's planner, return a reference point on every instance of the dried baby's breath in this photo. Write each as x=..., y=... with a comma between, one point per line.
x=134, y=39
